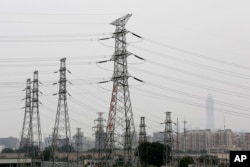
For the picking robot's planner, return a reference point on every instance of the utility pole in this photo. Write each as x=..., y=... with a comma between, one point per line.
x=185, y=136
x=120, y=126
x=100, y=136
x=177, y=141
x=61, y=133
x=177, y=136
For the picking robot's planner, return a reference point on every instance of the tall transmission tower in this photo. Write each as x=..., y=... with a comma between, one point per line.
x=78, y=143
x=142, y=143
x=31, y=139
x=36, y=125
x=168, y=139
x=61, y=132
x=100, y=136
x=26, y=138
x=120, y=126
x=142, y=133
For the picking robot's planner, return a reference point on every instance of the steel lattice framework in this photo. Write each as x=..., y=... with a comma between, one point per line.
x=36, y=125
x=61, y=132
x=100, y=136
x=26, y=141
x=120, y=126
x=142, y=133
x=168, y=139
x=31, y=139
x=26, y=138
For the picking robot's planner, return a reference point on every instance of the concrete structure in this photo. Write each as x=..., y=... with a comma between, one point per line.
x=13, y=162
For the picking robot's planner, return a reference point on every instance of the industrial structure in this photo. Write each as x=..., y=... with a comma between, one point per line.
x=142, y=133
x=100, y=135
x=26, y=128
x=31, y=137
x=78, y=146
x=120, y=126
x=61, y=132
x=36, y=124
x=168, y=139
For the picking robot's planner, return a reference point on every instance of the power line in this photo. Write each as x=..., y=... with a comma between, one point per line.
x=200, y=76
x=150, y=93
x=166, y=56
x=193, y=84
x=52, y=36
x=197, y=54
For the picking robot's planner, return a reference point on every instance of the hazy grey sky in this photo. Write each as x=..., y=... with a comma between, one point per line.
x=192, y=49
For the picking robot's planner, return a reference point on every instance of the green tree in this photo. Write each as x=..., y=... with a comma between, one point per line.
x=66, y=148
x=185, y=161
x=208, y=159
x=151, y=153
x=7, y=150
x=46, y=153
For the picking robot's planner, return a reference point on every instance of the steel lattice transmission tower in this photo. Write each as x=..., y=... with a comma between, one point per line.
x=78, y=144
x=100, y=135
x=31, y=139
x=120, y=126
x=168, y=139
x=61, y=132
x=36, y=125
x=26, y=138
x=143, y=143
x=142, y=133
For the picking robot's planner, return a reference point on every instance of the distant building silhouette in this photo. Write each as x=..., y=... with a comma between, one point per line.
x=10, y=142
x=210, y=112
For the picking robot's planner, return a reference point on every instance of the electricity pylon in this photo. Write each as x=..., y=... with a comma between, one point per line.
x=26, y=136
x=36, y=125
x=142, y=133
x=143, y=143
x=100, y=136
x=31, y=139
x=120, y=126
x=168, y=139
x=78, y=144
x=61, y=132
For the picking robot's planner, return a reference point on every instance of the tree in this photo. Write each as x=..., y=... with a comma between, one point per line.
x=185, y=161
x=66, y=148
x=46, y=153
x=32, y=151
x=7, y=150
x=209, y=159
x=151, y=153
